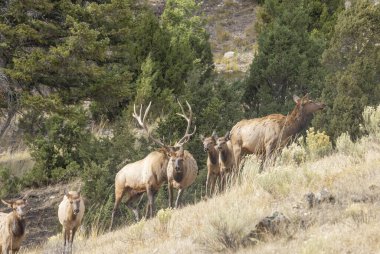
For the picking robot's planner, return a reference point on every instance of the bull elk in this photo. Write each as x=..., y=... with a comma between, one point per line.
x=213, y=167
x=262, y=136
x=182, y=168
x=145, y=175
x=12, y=226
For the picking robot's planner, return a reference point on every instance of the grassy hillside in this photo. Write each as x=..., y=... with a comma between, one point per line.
x=343, y=217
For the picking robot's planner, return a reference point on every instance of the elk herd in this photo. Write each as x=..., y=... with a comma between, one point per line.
x=174, y=165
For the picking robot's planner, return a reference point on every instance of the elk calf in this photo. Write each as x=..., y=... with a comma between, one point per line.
x=213, y=167
x=226, y=157
x=70, y=215
x=146, y=175
x=12, y=227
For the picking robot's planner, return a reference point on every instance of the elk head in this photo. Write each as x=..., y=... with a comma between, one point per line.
x=17, y=206
x=74, y=201
x=306, y=105
x=209, y=142
x=221, y=142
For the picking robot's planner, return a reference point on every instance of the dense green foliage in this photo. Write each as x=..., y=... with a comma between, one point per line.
x=293, y=35
x=73, y=65
x=353, y=63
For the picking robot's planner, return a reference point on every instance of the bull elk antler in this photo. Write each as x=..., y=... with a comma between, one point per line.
x=180, y=142
x=189, y=119
x=143, y=124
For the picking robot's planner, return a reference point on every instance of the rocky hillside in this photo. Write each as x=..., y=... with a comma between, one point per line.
x=327, y=205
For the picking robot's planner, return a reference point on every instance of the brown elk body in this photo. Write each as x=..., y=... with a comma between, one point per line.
x=12, y=227
x=70, y=215
x=213, y=167
x=182, y=171
x=262, y=136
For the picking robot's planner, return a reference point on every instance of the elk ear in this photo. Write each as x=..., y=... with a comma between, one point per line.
x=296, y=99
x=202, y=137
x=214, y=135
x=9, y=203
x=227, y=136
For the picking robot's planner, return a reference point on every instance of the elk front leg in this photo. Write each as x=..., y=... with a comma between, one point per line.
x=179, y=195
x=237, y=155
x=131, y=199
x=170, y=190
x=150, y=194
x=213, y=177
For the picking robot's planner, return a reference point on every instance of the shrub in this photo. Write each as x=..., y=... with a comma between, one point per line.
x=164, y=216
x=318, y=143
x=8, y=182
x=371, y=121
x=295, y=153
x=344, y=144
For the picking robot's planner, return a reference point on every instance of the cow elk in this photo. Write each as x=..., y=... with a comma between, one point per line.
x=146, y=175
x=70, y=215
x=12, y=226
x=262, y=136
x=213, y=167
x=182, y=168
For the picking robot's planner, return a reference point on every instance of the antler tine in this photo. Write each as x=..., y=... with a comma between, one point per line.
x=143, y=125
x=146, y=111
x=187, y=136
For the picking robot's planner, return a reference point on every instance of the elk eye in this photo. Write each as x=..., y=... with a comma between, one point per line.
x=71, y=202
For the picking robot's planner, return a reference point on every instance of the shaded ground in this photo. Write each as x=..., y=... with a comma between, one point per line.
x=41, y=219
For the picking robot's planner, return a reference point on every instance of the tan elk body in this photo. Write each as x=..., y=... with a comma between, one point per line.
x=146, y=175
x=12, y=227
x=134, y=179
x=213, y=167
x=182, y=171
x=262, y=136
x=70, y=215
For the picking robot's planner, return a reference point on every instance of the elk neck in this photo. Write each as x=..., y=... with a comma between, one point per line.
x=213, y=155
x=224, y=155
x=17, y=226
x=178, y=175
x=296, y=122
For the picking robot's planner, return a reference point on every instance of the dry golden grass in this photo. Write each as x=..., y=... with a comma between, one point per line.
x=17, y=161
x=220, y=224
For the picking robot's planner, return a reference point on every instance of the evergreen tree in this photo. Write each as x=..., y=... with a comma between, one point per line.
x=290, y=45
x=353, y=62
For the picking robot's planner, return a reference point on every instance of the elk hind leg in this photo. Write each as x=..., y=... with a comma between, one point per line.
x=119, y=193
